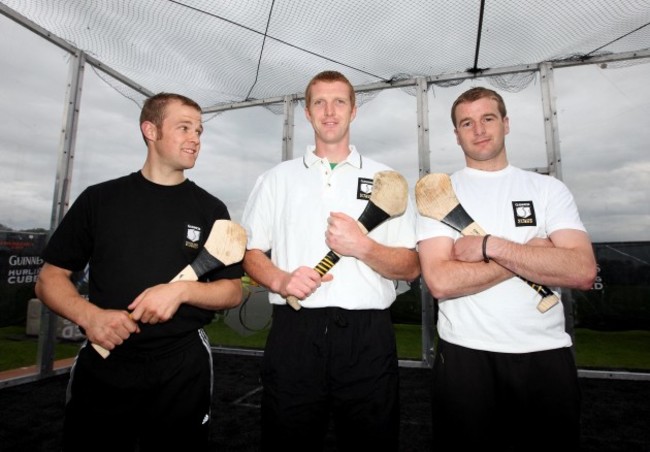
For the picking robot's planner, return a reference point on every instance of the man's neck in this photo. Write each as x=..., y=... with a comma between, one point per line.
x=496, y=164
x=333, y=153
x=162, y=176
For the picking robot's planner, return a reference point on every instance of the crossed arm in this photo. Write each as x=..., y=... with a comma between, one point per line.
x=452, y=269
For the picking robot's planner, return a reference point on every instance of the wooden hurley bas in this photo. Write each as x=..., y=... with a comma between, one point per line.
x=435, y=198
x=388, y=199
x=225, y=246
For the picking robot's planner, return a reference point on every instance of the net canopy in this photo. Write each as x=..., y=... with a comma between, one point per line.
x=224, y=52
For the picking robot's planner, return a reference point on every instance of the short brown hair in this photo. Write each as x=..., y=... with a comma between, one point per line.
x=154, y=107
x=474, y=94
x=329, y=77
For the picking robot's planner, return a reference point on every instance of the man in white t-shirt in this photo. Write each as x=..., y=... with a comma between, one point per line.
x=336, y=357
x=504, y=376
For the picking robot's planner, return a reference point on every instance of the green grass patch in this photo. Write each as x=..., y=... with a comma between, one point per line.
x=19, y=350
x=621, y=350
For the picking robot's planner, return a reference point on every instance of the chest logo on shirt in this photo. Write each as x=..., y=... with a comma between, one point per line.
x=192, y=236
x=524, y=213
x=364, y=188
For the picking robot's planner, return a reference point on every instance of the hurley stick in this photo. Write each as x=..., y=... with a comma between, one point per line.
x=435, y=198
x=225, y=246
x=388, y=199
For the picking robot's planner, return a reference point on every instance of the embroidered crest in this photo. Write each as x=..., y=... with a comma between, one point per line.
x=364, y=188
x=192, y=236
x=524, y=212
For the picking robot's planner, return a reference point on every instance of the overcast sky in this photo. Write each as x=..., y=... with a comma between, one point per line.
x=602, y=114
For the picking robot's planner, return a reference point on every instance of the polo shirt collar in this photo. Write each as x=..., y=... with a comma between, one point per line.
x=354, y=158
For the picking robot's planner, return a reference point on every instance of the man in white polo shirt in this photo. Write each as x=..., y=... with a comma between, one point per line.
x=336, y=357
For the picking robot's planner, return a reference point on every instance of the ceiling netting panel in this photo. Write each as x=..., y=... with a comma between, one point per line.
x=223, y=52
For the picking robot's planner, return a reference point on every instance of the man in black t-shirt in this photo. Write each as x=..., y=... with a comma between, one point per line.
x=136, y=233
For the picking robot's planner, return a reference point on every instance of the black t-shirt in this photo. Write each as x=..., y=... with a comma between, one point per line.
x=136, y=234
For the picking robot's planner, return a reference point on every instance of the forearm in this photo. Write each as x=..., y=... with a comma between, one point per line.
x=453, y=279
x=448, y=277
x=214, y=295
x=259, y=267
x=55, y=289
x=570, y=267
x=390, y=262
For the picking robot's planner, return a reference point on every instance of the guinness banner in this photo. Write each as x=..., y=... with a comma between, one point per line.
x=20, y=262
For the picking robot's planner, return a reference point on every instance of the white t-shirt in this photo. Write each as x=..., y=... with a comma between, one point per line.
x=518, y=205
x=287, y=213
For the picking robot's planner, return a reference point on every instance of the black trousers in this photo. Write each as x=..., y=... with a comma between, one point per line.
x=154, y=401
x=330, y=364
x=505, y=401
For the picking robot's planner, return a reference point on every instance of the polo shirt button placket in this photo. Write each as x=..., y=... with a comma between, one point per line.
x=328, y=175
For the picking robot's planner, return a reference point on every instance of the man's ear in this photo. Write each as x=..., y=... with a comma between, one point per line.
x=149, y=130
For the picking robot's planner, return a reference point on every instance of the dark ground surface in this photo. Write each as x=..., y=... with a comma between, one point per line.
x=616, y=413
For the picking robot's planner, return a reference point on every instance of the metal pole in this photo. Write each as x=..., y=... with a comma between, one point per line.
x=47, y=336
x=287, y=131
x=427, y=302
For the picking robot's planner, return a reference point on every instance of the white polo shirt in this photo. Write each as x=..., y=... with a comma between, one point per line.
x=287, y=213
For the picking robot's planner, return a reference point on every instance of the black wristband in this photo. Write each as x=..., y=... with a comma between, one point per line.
x=486, y=259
